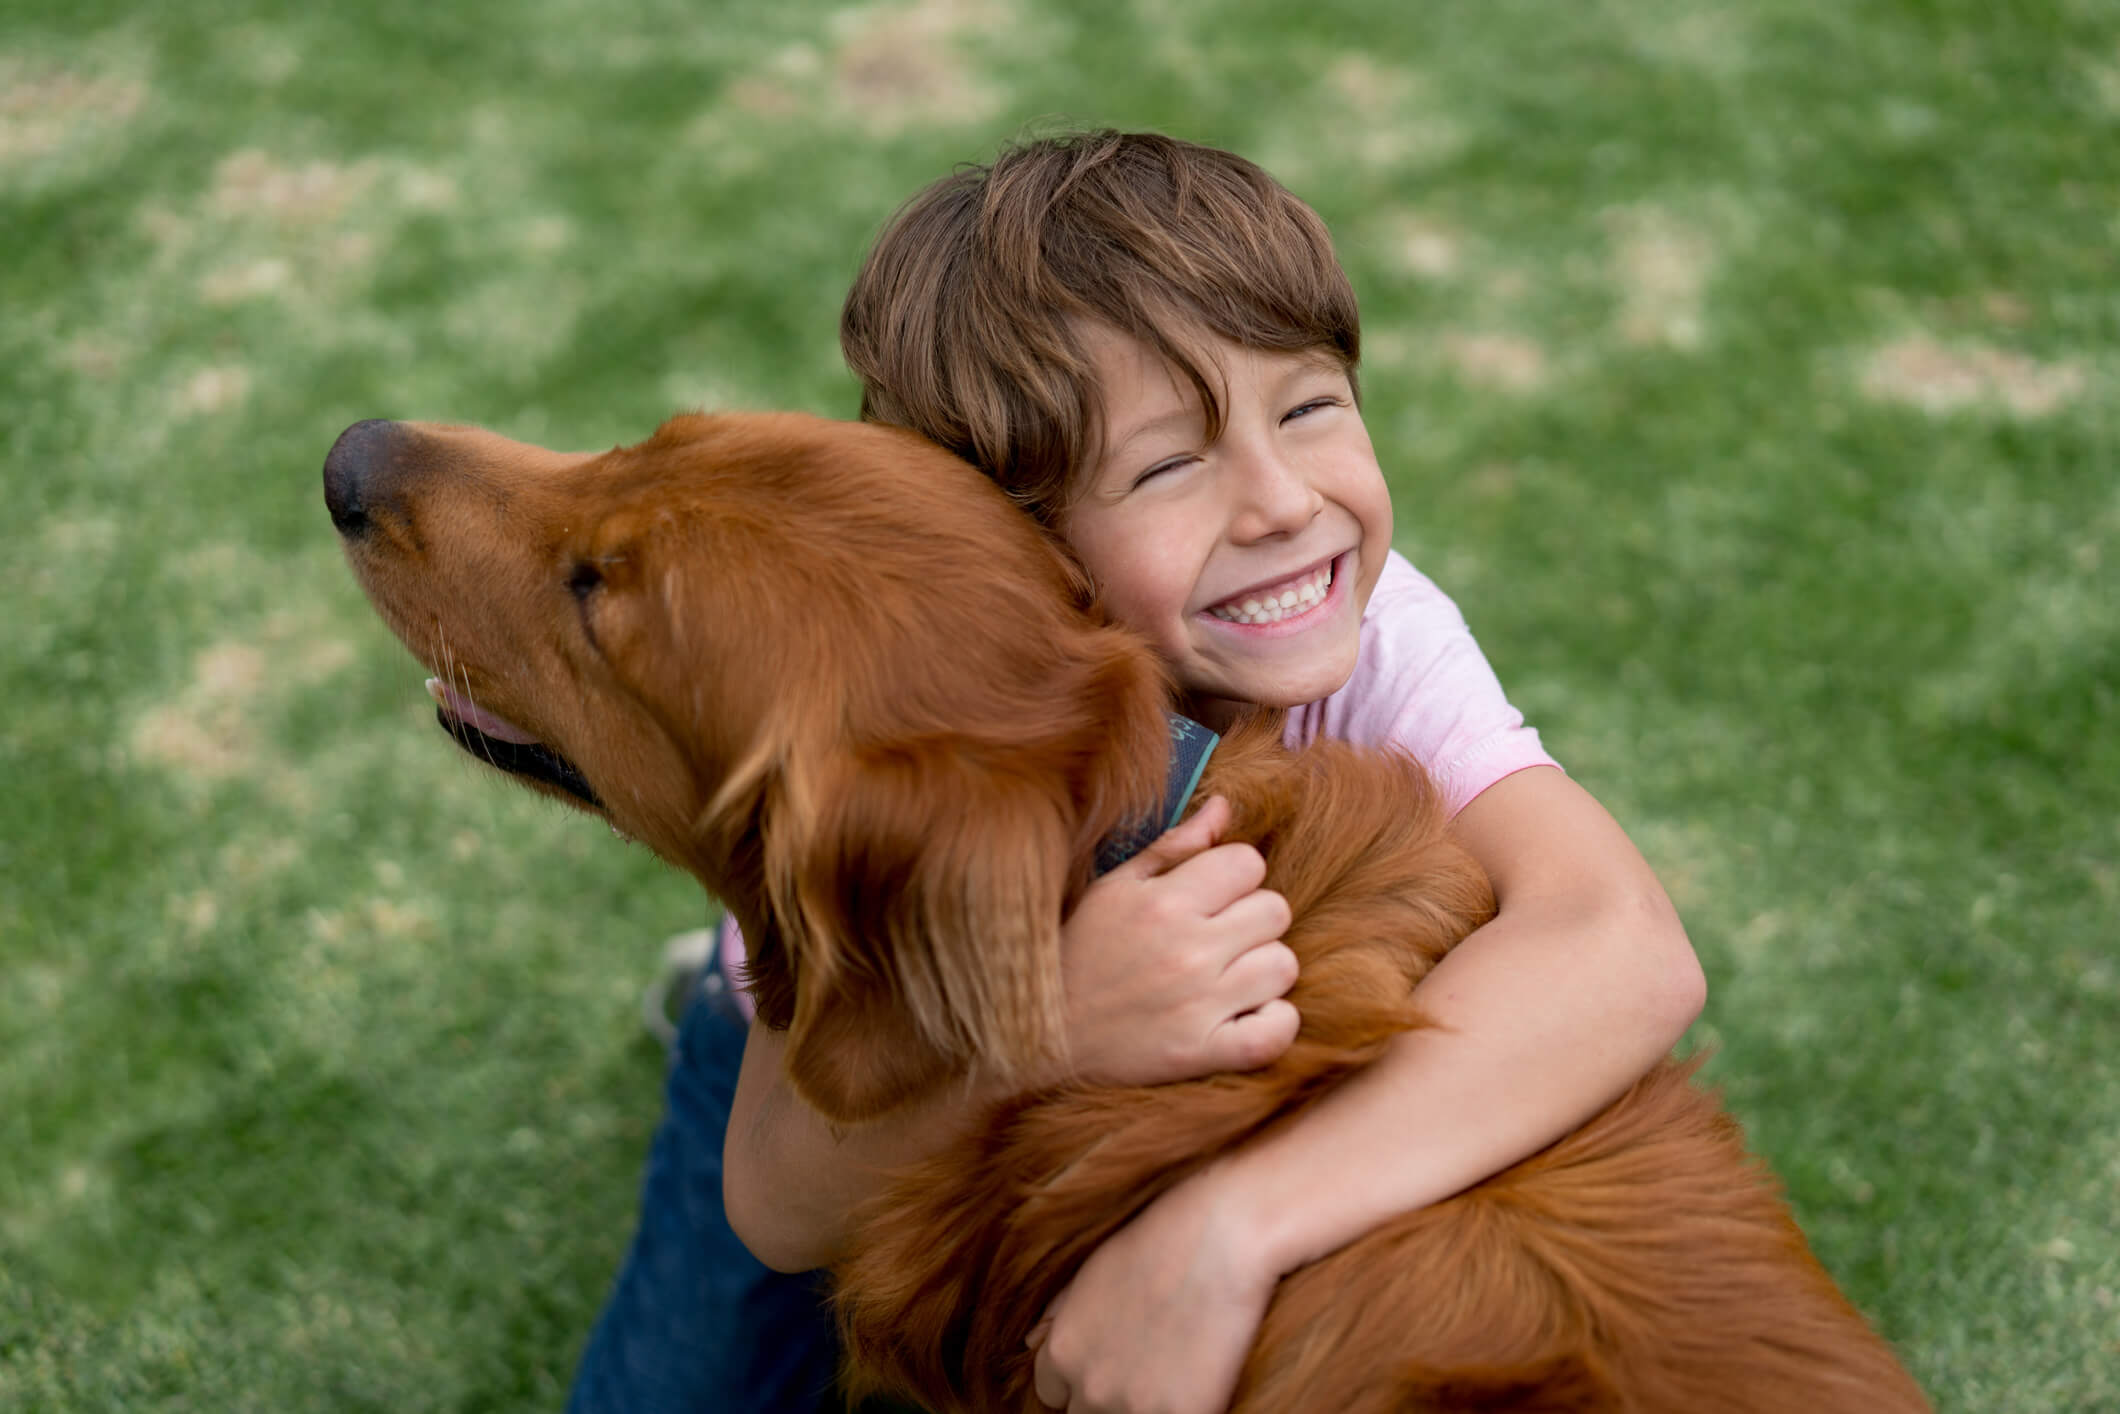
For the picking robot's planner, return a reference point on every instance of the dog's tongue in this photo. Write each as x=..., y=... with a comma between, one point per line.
x=474, y=716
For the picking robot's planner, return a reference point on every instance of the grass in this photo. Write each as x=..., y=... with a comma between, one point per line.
x=1747, y=372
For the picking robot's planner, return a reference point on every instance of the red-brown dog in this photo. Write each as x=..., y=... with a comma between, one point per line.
x=829, y=670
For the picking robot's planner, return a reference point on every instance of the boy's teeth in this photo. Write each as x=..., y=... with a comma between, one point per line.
x=1282, y=602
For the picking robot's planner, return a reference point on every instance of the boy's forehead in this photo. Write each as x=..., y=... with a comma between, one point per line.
x=1123, y=364
x=1137, y=387
x=1137, y=391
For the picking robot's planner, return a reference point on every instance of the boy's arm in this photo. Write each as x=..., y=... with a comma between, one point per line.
x=1174, y=968
x=1582, y=981
x=789, y=1176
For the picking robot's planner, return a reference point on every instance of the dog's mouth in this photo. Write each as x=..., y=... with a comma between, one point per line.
x=503, y=744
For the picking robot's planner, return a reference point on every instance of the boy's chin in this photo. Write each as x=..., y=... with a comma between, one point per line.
x=1282, y=691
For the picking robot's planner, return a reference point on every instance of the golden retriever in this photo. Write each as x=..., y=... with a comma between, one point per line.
x=828, y=669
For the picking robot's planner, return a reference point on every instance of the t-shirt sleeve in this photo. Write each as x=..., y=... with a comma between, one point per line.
x=1421, y=683
x=730, y=955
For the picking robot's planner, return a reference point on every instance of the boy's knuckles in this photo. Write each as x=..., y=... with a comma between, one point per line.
x=1277, y=909
x=1245, y=865
x=1256, y=919
x=1256, y=1047
x=1226, y=871
x=1284, y=967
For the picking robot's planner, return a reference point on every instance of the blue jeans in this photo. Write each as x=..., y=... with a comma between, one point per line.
x=696, y=1323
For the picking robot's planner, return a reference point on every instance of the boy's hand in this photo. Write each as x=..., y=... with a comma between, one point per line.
x=1174, y=962
x=1160, y=1318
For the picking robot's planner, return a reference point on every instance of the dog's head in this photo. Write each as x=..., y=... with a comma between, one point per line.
x=824, y=666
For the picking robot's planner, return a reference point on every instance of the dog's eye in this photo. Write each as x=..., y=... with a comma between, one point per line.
x=585, y=580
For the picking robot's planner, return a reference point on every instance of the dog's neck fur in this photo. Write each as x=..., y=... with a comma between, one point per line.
x=901, y=899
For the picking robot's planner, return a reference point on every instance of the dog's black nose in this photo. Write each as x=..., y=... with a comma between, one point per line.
x=363, y=453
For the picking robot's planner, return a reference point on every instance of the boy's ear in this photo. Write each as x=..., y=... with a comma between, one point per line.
x=919, y=890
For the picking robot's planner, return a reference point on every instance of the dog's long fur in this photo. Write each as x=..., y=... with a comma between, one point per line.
x=830, y=671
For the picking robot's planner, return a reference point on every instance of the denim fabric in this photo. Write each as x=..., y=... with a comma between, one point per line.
x=696, y=1325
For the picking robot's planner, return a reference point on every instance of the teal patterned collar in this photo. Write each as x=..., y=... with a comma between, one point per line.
x=1190, y=746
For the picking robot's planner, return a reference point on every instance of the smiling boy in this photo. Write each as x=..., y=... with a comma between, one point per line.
x=1245, y=558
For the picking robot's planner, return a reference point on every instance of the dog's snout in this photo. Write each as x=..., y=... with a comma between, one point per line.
x=358, y=472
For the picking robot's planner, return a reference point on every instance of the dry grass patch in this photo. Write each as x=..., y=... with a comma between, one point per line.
x=211, y=731
x=221, y=388
x=45, y=111
x=254, y=184
x=1924, y=372
x=1512, y=363
x=1390, y=119
x=1662, y=268
x=1422, y=246
x=895, y=67
x=883, y=69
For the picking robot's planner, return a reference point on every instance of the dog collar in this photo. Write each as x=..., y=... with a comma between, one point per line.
x=1190, y=746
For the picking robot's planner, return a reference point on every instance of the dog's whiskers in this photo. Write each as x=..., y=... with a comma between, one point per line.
x=459, y=680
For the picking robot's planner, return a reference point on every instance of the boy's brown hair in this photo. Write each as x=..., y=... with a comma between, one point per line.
x=964, y=323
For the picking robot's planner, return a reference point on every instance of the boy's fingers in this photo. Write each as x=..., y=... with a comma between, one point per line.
x=1260, y=974
x=1257, y=1037
x=1183, y=840
x=1250, y=911
x=1240, y=917
x=1220, y=879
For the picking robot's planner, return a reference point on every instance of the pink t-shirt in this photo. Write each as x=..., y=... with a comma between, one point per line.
x=1419, y=682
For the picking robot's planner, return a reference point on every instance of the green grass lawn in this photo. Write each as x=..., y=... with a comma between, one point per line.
x=1747, y=371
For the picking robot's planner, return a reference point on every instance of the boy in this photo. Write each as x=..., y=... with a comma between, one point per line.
x=1150, y=345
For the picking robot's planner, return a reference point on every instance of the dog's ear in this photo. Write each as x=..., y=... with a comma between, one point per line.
x=919, y=890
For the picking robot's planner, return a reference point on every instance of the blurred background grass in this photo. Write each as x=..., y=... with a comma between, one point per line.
x=1747, y=371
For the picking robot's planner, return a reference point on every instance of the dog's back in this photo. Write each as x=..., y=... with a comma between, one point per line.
x=1646, y=1262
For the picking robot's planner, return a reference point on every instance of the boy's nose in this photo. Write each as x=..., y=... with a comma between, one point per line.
x=1278, y=498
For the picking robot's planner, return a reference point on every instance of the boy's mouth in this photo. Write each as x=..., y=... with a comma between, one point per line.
x=1271, y=603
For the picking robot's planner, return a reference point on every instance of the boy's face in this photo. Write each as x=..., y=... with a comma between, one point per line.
x=1246, y=561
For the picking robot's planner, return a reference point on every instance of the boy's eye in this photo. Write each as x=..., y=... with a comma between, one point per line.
x=1169, y=464
x=1303, y=409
